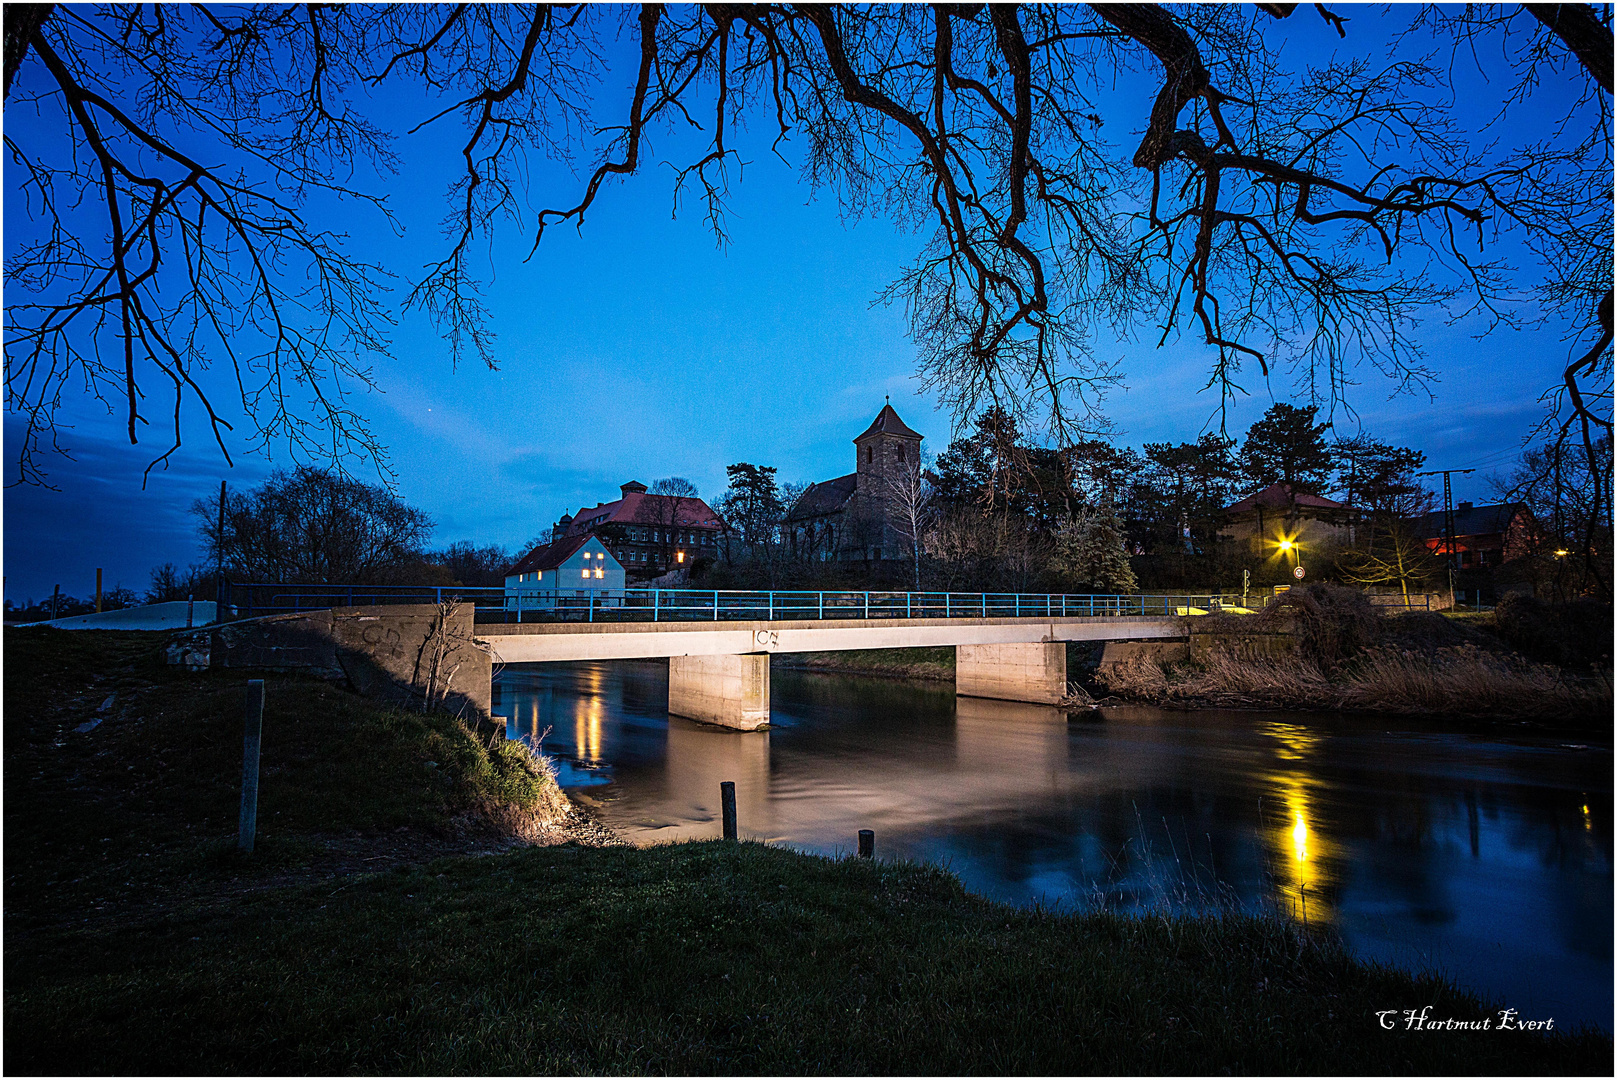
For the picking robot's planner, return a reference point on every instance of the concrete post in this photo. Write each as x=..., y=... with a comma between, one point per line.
x=1015, y=672
x=732, y=691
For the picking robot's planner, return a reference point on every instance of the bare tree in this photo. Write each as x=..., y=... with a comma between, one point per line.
x=1398, y=556
x=1287, y=219
x=308, y=525
x=908, y=499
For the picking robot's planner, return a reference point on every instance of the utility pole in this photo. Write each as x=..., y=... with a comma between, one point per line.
x=219, y=562
x=1448, y=521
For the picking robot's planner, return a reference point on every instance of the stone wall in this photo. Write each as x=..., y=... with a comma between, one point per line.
x=406, y=653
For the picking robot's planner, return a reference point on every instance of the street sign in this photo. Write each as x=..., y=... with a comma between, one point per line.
x=1297, y=572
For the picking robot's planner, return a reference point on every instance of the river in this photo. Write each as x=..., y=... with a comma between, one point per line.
x=1485, y=857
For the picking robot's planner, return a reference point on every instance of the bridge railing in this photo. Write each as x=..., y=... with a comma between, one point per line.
x=247, y=600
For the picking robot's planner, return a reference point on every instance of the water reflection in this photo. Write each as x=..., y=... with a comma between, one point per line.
x=1488, y=859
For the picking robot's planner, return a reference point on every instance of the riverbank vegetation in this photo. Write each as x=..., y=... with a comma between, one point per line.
x=1527, y=662
x=400, y=915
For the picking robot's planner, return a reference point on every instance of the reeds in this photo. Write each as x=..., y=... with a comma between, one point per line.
x=1452, y=681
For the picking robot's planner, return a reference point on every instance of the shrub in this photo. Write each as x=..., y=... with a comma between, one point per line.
x=1575, y=634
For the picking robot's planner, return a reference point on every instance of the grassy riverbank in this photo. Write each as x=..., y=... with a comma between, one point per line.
x=717, y=958
x=141, y=809
x=936, y=665
x=400, y=917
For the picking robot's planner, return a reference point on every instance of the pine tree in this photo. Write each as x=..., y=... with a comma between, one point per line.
x=1090, y=551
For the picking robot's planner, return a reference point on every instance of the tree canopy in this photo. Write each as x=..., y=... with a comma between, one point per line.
x=308, y=525
x=1286, y=216
x=1287, y=447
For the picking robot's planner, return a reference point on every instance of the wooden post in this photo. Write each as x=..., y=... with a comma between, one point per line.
x=98, y=590
x=56, y=601
x=727, y=801
x=251, y=738
x=867, y=843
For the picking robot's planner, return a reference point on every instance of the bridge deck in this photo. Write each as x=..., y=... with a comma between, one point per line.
x=516, y=643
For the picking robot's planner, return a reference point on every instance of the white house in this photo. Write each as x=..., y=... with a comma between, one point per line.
x=562, y=573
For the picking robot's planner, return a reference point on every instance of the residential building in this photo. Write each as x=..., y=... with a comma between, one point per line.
x=649, y=534
x=562, y=572
x=1277, y=518
x=861, y=515
x=1484, y=536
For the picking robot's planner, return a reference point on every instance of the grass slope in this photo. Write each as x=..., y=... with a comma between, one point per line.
x=144, y=807
x=718, y=958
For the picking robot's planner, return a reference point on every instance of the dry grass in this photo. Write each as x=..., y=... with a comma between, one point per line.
x=1463, y=681
x=1468, y=680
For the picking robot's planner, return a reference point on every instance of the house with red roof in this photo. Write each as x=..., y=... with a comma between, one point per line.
x=562, y=572
x=1279, y=519
x=648, y=533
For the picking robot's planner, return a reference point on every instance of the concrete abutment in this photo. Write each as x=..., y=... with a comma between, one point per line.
x=729, y=690
x=1020, y=671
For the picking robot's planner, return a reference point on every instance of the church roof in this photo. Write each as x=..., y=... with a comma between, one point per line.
x=1280, y=496
x=826, y=497
x=887, y=423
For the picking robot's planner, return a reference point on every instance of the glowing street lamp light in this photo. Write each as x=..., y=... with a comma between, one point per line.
x=1286, y=545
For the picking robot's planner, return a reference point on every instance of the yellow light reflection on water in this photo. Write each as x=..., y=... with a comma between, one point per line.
x=1300, y=859
x=587, y=736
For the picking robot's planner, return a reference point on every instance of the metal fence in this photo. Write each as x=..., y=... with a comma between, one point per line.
x=244, y=601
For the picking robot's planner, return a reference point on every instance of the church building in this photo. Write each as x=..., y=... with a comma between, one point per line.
x=862, y=516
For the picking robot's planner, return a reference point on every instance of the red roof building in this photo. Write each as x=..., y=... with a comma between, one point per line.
x=649, y=534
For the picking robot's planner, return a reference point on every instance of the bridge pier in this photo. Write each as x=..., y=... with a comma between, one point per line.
x=727, y=689
x=1031, y=671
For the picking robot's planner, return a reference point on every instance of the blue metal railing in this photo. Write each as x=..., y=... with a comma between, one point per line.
x=714, y=605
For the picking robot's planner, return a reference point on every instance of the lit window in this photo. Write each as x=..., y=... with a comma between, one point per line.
x=600, y=572
x=586, y=571
x=681, y=556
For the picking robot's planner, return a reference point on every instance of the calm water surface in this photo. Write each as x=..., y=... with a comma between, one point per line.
x=1488, y=858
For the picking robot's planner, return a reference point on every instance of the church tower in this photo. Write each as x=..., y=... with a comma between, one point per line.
x=888, y=457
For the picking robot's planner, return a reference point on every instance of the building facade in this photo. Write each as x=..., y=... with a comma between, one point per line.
x=1277, y=518
x=1484, y=536
x=867, y=514
x=649, y=534
x=562, y=572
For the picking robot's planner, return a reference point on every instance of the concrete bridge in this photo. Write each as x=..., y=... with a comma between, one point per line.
x=718, y=672
x=392, y=641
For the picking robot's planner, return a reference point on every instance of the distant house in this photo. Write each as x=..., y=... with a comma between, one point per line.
x=1484, y=536
x=857, y=516
x=1276, y=515
x=562, y=571
x=648, y=534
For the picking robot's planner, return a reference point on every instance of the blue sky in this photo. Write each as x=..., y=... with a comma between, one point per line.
x=639, y=350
